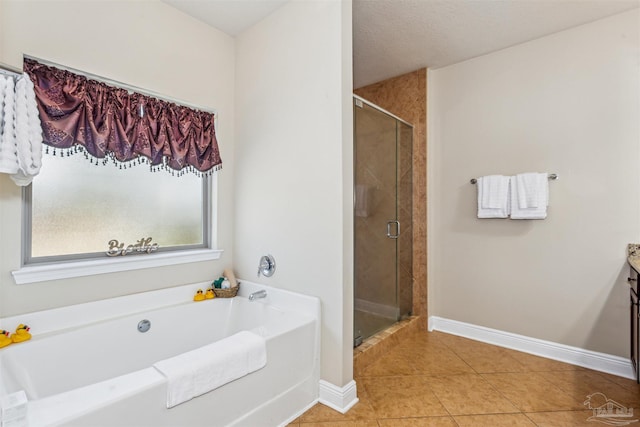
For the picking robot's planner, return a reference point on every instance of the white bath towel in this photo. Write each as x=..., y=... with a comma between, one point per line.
x=536, y=199
x=204, y=369
x=28, y=132
x=20, y=130
x=8, y=148
x=493, y=196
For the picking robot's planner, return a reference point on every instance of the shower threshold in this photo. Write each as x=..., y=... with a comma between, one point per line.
x=377, y=345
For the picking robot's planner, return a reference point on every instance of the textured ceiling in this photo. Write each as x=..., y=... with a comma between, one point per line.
x=393, y=37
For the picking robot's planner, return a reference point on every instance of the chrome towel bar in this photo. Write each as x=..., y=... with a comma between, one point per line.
x=552, y=176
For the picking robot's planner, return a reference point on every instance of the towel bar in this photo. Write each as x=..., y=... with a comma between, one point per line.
x=551, y=176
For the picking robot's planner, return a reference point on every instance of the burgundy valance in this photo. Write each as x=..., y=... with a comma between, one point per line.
x=110, y=121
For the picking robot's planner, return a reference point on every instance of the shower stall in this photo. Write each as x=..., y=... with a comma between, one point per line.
x=382, y=219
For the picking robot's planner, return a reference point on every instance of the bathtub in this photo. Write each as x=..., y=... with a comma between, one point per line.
x=88, y=365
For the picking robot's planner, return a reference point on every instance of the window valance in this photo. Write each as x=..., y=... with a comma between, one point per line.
x=112, y=122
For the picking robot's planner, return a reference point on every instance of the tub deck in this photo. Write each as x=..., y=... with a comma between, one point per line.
x=100, y=373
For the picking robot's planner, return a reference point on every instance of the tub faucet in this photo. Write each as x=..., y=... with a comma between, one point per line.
x=258, y=294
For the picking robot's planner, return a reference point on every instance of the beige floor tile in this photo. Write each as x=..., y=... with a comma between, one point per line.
x=441, y=362
x=436, y=379
x=397, y=397
x=490, y=359
x=469, y=394
x=537, y=364
x=391, y=364
x=497, y=420
x=418, y=422
x=531, y=392
x=563, y=418
x=622, y=382
x=420, y=339
x=581, y=384
x=456, y=343
x=345, y=423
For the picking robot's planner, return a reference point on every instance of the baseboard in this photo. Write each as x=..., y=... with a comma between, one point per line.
x=602, y=362
x=339, y=398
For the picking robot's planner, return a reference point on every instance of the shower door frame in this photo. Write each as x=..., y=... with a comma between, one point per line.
x=399, y=314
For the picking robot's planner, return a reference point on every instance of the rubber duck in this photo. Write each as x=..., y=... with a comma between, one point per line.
x=5, y=339
x=209, y=294
x=22, y=334
x=199, y=296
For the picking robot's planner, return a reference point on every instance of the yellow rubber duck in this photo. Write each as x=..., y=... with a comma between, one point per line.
x=5, y=339
x=199, y=296
x=209, y=294
x=22, y=334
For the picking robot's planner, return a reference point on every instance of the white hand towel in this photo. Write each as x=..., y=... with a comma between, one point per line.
x=493, y=196
x=531, y=189
x=540, y=199
x=206, y=368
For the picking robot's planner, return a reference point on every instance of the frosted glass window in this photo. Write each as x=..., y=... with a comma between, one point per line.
x=78, y=207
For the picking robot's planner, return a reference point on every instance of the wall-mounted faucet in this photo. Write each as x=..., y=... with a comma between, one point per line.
x=258, y=294
x=267, y=266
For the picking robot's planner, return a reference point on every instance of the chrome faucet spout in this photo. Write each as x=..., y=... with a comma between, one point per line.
x=258, y=294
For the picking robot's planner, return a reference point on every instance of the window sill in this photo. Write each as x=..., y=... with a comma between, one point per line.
x=65, y=270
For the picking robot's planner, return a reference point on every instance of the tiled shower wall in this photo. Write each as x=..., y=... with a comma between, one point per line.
x=406, y=97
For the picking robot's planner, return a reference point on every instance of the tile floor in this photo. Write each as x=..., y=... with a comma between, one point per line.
x=436, y=379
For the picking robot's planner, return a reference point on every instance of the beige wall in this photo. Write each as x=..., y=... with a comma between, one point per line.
x=566, y=104
x=301, y=220
x=294, y=163
x=147, y=44
x=406, y=97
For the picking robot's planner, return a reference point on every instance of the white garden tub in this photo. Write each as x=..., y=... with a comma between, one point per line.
x=88, y=365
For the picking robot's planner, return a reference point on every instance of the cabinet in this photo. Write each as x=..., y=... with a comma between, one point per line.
x=634, y=318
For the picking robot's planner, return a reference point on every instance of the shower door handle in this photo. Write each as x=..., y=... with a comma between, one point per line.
x=389, y=224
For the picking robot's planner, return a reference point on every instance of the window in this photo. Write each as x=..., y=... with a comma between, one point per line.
x=74, y=208
x=76, y=211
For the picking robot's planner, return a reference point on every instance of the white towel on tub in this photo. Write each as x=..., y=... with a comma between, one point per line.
x=199, y=371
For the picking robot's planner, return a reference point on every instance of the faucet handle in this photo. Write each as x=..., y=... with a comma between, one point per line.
x=267, y=266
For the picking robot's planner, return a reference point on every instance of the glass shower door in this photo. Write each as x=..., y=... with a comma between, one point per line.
x=375, y=221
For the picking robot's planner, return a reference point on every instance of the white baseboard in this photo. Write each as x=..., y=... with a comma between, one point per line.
x=602, y=362
x=339, y=398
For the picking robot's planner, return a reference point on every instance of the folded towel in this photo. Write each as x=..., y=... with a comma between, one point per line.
x=199, y=371
x=531, y=189
x=539, y=199
x=362, y=200
x=493, y=196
